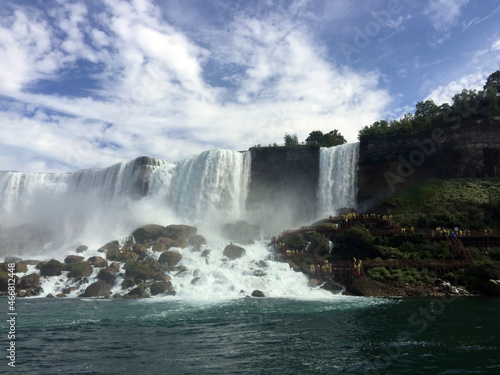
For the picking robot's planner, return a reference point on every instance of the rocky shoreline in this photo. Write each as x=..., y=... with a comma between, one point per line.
x=139, y=268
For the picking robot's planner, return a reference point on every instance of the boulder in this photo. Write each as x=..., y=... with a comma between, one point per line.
x=233, y=251
x=81, y=248
x=126, y=255
x=241, y=232
x=115, y=266
x=160, y=287
x=492, y=288
x=110, y=246
x=73, y=259
x=159, y=246
x=19, y=267
x=12, y=260
x=139, y=271
x=180, y=242
x=180, y=231
x=81, y=269
x=148, y=233
x=170, y=258
x=140, y=250
x=162, y=276
x=138, y=292
x=98, y=261
x=108, y=275
x=128, y=282
x=60, y=295
x=29, y=282
x=197, y=240
x=52, y=268
x=98, y=289
x=258, y=293
x=205, y=253
x=111, y=254
x=167, y=241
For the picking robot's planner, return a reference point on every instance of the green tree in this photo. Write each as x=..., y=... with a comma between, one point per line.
x=494, y=82
x=291, y=139
x=427, y=108
x=314, y=138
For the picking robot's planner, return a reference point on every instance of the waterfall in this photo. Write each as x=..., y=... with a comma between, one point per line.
x=337, y=185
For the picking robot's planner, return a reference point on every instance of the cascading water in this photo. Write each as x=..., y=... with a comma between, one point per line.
x=95, y=206
x=337, y=187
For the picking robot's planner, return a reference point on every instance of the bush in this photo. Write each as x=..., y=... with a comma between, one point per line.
x=318, y=243
x=356, y=242
x=294, y=242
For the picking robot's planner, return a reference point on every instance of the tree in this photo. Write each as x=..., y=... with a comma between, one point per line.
x=291, y=139
x=314, y=138
x=494, y=82
x=333, y=138
x=427, y=108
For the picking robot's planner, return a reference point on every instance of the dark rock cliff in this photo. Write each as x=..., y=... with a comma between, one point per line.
x=286, y=179
x=387, y=165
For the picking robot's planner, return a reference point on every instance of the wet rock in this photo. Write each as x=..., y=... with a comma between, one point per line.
x=128, y=282
x=161, y=276
x=233, y=251
x=138, y=292
x=51, y=268
x=180, y=231
x=112, y=245
x=19, y=267
x=314, y=281
x=81, y=248
x=108, y=275
x=180, y=242
x=82, y=269
x=139, y=271
x=60, y=295
x=149, y=232
x=98, y=289
x=492, y=288
x=69, y=290
x=259, y=273
x=12, y=260
x=73, y=259
x=115, y=266
x=140, y=250
x=160, y=246
x=197, y=240
x=160, y=287
x=29, y=282
x=167, y=241
x=205, y=253
x=195, y=280
x=169, y=258
x=126, y=255
x=98, y=261
x=21, y=293
x=258, y=293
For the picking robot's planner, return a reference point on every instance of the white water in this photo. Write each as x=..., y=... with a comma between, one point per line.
x=93, y=207
x=337, y=185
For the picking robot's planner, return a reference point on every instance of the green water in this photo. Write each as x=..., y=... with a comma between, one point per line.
x=347, y=335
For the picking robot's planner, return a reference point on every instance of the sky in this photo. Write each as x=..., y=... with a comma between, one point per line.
x=86, y=84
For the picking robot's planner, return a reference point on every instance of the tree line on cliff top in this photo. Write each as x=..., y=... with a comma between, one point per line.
x=466, y=104
x=317, y=138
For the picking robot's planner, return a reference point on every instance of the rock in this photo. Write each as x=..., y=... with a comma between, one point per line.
x=259, y=273
x=170, y=258
x=98, y=261
x=112, y=245
x=108, y=275
x=138, y=292
x=159, y=246
x=82, y=269
x=205, y=253
x=31, y=281
x=21, y=293
x=197, y=240
x=180, y=231
x=126, y=255
x=111, y=254
x=61, y=295
x=314, y=281
x=19, y=267
x=241, y=232
x=180, y=242
x=69, y=290
x=160, y=287
x=140, y=250
x=149, y=232
x=12, y=260
x=167, y=241
x=115, y=266
x=51, y=268
x=233, y=251
x=294, y=265
x=139, y=271
x=98, y=289
x=257, y=293
x=81, y=248
x=162, y=276
x=128, y=282
x=73, y=259
x=49, y=296
x=195, y=280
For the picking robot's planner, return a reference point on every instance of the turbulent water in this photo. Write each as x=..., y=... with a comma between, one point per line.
x=337, y=187
x=347, y=335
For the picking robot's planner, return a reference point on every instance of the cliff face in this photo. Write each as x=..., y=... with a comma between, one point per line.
x=388, y=165
x=286, y=179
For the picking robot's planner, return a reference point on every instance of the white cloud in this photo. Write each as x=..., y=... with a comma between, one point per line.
x=154, y=97
x=444, y=94
x=443, y=14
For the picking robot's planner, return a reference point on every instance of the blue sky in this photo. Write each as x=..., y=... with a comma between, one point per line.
x=89, y=83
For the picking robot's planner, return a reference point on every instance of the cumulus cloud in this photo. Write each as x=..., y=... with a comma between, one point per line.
x=444, y=94
x=151, y=92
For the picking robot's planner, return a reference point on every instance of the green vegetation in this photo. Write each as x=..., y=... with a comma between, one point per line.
x=399, y=276
x=466, y=203
x=333, y=138
x=428, y=115
x=291, y=139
